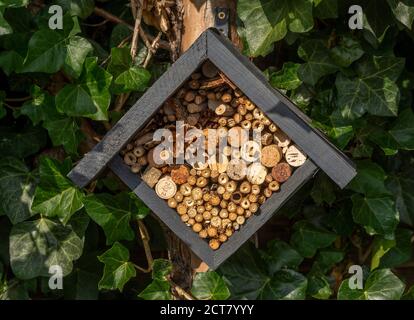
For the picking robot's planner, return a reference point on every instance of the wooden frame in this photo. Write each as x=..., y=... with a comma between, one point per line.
x=219, y=50
x=195, y=243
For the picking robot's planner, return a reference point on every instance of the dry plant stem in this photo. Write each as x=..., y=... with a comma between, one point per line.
x=99, y=24
x=358, y=246
x=120, y=101
x=89, y=132
x=134, y=8
x=152, y=50
x=180, y=290
x=18, y=99
x=146, y=242
x=367, y=253
x=227, y=80
x=107, y=125
x=138, y=17
x=146, y=38
x=92, y=187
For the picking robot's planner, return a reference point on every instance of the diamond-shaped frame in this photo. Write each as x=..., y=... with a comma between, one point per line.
x=213, y=46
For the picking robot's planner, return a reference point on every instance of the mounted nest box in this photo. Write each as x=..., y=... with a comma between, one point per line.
x=214, y=207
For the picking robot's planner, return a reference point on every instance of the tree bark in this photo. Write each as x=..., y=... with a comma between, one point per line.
x=198, y=15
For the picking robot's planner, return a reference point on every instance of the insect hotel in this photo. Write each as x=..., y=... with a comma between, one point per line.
x=262, y=151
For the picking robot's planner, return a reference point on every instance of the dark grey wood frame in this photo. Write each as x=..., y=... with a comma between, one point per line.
x=245, y=75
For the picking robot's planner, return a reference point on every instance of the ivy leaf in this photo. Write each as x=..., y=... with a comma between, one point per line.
x=377, y=18
x=139, y=209
x=340, y=220
x=373, y=90
x=409, y=295
x=390, y=253
x=156, y=290
x=90, y=96
x=120, y=60
x=267, y=21
x=403, y=130
x=323, y=190
x=37, y=245
x=341, y=135
x=81, y=285
x=133, y=79
x=285, y=285
x=118, y=269
x=376, y=214
x=65, y=132
x=370, y=179
x=381, y=284
x=14, y=3
x=21, y=144
x=10, y=61
x=77, y=50
x=15, y=291
x=80, y=8
x=325, y=260
x=47, y=52
x=280, y=255
x=403, y=11
x=161, y=268
x=402, y=186
x=346, y=52
x=41, y=107
x=319, y=287
x=113, y=214
x=287, y=78
x=5, y=28
x=56, y=195
x=16, y=189
x=318, y=61
x=326, y=9
x=246, y=276
x=209, y=286
x=384, y=140
x=307, y=238
x=119, y=33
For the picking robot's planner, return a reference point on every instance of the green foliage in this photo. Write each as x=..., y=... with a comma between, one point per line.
x=17, y=188
x=160, y=287
x=37, y=245
x=209, y=286
x=307, y=238
x=381, y=284
x=55, y=195
x=113, y=214
x=118, y=269
x=266, y=22
x=89, y=97
x=63, y=89
x=250, y=277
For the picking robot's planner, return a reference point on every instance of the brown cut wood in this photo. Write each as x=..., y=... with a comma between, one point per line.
x=200, y=246
x=249, y=79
